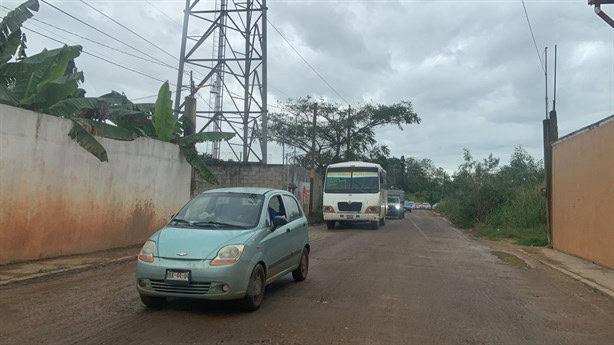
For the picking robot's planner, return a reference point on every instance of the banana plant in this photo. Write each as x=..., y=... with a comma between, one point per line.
x=169, y=129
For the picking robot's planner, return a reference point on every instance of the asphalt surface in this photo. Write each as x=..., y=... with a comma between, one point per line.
x=413, y=281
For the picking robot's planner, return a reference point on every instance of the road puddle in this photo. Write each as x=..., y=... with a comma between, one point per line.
x=510, y=259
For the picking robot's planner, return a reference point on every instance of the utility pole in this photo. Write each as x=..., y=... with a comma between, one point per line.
x=313, y=157
x=551, y=134
x=347, y=150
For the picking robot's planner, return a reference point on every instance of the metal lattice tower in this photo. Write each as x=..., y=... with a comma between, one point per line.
x=231, y=53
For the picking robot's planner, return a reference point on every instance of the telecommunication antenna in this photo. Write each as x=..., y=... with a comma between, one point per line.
x=235, y=73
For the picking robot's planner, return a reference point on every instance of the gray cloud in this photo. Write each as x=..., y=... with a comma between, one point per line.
x=469, y=66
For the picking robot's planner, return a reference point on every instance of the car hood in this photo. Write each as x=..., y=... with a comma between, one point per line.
x=197, y=243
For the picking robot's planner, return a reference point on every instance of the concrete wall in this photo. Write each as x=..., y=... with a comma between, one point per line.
x=291, y=178
x=56, y=198
x=583, y=193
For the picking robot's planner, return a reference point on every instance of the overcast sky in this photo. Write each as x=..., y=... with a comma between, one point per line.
x=469, y=67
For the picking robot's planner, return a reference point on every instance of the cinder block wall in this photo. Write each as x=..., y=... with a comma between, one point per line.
x=583, y=193
x=58, y=199
x=275, y=176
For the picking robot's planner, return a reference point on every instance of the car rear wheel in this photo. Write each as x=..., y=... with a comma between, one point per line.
x=300, y=273
x=255, y=290
x=330, y=224
x=152, y=301
x=375, y=225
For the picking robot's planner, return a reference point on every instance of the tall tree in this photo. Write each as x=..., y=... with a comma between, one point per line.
x=336, y=128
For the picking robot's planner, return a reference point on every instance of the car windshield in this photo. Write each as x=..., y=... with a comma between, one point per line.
x=221, y=211
x=393, y=200
x=352, y=180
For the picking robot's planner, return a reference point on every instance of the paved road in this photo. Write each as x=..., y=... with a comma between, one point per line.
x=415, y=280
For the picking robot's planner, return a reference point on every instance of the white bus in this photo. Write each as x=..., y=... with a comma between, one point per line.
x=354, y=192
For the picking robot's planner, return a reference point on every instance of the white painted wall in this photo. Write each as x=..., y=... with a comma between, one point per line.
x=56, y=198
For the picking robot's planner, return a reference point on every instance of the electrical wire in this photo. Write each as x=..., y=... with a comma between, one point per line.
x=164, y=13
x=307, y=63
x=541, y=62
x=102, y=32
x=100, y=57
x=130, y=30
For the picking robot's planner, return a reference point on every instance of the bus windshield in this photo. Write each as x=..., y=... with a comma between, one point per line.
x=352, y=180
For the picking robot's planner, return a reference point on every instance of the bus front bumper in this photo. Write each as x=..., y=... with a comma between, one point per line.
x=352, y=217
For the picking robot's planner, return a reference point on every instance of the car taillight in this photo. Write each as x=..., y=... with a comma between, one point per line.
x=328, y=209
x=373, y=209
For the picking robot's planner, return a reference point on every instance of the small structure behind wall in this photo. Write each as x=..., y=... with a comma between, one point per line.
x=275, y=176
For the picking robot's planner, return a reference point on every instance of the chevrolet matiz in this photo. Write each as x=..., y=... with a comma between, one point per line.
x=225, y=244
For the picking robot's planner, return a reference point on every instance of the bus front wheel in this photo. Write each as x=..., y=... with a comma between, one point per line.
x=330, y=224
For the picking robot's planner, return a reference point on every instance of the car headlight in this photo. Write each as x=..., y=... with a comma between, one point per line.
x=397, y=207
x=147, y=252
x=228, y=255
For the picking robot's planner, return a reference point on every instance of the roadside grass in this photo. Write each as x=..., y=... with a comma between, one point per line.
x=535, y=236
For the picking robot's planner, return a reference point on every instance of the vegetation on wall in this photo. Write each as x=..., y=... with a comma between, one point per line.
x=49, y=81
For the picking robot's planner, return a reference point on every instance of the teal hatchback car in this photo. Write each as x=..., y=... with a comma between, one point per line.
x=225, y=244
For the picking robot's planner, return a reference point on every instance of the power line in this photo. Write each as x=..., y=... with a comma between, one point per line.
x=541, y=62
x=164, y=13
x=130, y=30
x=102, y=32
x=100, y=57
x=102, y=44
x=307, y=63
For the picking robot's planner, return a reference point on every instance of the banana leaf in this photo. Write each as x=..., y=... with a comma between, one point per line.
x=115, y=98
x=199, y=164
x=105, y=130
x=192, y=139
x=163, y=119
x=72, y=106
x=88, y=142
x=6, y=97
x=10, y=26
x=9, y=47
x=24, y=68
x=50, y=92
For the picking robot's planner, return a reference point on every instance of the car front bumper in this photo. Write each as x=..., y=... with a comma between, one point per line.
x=206, y=281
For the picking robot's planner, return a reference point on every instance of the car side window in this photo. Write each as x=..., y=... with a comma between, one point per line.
x=294, y=212
x=275, y=208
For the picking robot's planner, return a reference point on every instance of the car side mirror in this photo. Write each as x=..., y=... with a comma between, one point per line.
x=279, y=221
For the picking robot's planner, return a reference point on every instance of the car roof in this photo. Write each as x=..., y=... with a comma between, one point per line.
x=250, y=190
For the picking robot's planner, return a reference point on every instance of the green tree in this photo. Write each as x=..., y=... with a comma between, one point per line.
x=335, y=128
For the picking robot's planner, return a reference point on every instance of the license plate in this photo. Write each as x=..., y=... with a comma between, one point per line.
x=349, y=216
x=177, y=276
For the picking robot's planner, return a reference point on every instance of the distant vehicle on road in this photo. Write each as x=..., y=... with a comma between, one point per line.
x=426, y=206
x=225, y=244
x=355, y=192
x=408, y=205
x=395, y=208
x=435, y=205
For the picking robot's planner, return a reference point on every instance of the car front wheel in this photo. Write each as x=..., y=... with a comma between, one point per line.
x=152, y=301
x=255, y=290
x=300, y=273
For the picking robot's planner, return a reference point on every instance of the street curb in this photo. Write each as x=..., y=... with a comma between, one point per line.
x=75, y=268
x=570, y=274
